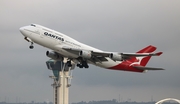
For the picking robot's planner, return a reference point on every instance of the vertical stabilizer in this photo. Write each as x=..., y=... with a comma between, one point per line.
x=143, y=60
x=148, y=49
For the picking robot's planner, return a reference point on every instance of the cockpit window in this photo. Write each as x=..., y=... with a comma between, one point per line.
x=33, y=25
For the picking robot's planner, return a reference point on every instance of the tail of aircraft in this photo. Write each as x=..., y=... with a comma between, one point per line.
x=143, y=60
x=148, y=49
x=140, y=62
x=137, y=62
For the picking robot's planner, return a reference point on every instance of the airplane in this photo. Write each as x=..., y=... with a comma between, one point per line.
x=71, y=51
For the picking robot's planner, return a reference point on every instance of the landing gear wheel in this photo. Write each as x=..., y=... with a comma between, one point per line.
x=83, y=64
x=69, y=64
x=86, y=66
x=31, y=46
x=78, y=65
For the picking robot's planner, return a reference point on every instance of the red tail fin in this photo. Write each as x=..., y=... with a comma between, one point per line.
x=143, y=60
x=148, y=49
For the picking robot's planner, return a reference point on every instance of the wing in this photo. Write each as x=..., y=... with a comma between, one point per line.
x=101, y=56
x=124, y=56
x=107, y=54
x=94, y=57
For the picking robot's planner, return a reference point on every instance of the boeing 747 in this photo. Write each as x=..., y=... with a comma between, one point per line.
x=71, y=51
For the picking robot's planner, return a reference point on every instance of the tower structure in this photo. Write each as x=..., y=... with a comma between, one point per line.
x=62, y=75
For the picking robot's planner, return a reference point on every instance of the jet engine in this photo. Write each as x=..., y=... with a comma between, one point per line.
x=116, y=57
x=54, y=55
x=85, y=54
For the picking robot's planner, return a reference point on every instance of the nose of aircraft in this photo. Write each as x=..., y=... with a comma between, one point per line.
x=21, y=29
x=27, y=30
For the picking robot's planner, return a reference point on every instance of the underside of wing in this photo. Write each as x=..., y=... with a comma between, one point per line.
x=94, y=56
x=98, y=56
x=102, y=54
x=72, y=50
x=147, y=68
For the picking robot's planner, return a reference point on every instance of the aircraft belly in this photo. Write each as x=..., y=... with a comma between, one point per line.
x=108, y=64
x=66, y=53
x=78, y=52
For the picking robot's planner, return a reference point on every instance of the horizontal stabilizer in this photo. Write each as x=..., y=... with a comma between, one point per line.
x=147, y=68
x=159, y=53
x=141, y=54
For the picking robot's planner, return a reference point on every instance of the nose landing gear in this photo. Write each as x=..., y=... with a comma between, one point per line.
x=31, y=46
x=29, y=40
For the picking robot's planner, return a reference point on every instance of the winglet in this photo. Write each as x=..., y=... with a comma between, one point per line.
x=159, y=53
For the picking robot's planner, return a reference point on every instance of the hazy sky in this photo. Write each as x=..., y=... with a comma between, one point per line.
x=110, y=25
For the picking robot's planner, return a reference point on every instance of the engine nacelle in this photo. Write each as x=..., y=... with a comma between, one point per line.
x=116, y=57
x=54, y=55
x=85, y=54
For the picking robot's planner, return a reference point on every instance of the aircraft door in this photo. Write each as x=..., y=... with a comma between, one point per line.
x=41, y=33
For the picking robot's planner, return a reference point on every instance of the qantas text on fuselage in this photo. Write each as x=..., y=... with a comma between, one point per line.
x=71, y=51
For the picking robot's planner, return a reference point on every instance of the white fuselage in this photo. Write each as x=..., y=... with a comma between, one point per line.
x=69, y=50
x=55, y=40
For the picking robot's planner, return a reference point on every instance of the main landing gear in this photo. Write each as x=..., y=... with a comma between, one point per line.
x=83, y=64
x=69, y=63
